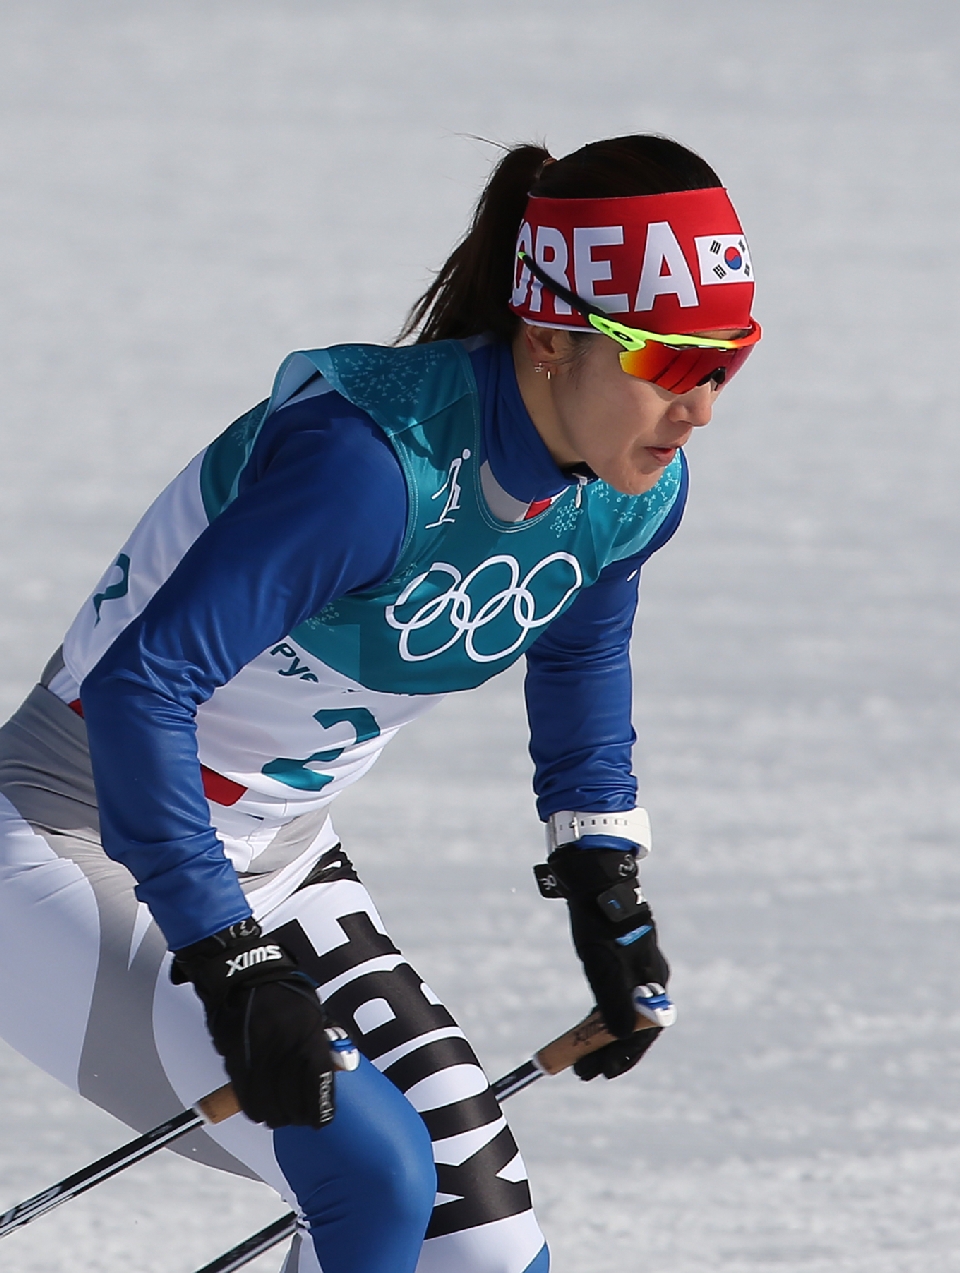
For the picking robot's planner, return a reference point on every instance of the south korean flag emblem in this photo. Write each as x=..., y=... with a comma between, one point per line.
x=723, y=258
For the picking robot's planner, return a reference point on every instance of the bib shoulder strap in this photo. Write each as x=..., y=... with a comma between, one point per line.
x=399, y=387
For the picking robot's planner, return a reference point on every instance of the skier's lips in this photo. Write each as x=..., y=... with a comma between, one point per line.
x=662, y=454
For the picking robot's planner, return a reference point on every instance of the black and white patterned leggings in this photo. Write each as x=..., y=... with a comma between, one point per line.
x=85, y=994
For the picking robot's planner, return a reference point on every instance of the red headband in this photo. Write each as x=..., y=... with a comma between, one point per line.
x=671, y=263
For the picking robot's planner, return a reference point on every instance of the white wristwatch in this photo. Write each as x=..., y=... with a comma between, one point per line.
x=568, y=826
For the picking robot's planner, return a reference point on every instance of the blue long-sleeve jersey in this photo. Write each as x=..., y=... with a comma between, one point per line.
x=319, y=514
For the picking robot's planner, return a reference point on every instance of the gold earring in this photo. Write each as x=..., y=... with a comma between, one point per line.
x=540, y=366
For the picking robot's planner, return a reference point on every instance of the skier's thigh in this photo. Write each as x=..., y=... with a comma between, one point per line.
x=85, y=995
x=49, y=949
x=483, y=1221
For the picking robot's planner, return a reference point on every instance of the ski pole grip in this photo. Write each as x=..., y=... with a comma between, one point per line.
x=217, y=1106
x=222, y=1104
x=584, y=1038
x=559, y=1055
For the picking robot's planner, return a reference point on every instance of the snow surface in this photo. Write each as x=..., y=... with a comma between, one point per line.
x=188, y=191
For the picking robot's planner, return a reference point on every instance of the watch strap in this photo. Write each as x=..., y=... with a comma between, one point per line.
x=568, y=826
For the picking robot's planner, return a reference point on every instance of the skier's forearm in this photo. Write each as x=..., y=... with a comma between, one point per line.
x=579, y=700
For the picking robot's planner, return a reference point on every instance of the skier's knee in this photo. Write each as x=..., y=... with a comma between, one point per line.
x=378, y=1203
x=368, y=1177
x=403, y=1179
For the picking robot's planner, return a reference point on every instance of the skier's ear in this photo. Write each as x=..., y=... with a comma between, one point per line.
x=546, y=345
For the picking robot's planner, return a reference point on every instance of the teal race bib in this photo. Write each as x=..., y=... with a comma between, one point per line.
x=469, y=593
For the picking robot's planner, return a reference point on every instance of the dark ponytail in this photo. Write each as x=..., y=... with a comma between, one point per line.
x=469, y=294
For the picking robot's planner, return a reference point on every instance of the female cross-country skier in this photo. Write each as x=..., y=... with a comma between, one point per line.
x=391, y=524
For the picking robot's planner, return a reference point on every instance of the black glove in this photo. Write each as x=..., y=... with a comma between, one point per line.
x=267, y=1023
x=616, y=1058
x=614, y=935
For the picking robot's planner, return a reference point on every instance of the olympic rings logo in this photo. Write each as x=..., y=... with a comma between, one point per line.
x=457, y=605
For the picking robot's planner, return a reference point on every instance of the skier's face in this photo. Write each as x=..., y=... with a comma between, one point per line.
x=591, y=412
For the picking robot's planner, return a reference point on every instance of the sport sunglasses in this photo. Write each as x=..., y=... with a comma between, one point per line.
x=676, y=363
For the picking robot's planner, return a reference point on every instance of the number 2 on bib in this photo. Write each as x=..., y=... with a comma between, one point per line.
x=294, y=773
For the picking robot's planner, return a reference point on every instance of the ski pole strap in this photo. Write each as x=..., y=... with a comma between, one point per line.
x=568, y=826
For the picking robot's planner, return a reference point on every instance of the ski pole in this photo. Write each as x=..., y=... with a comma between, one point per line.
x=222, y=1104
x=212, y=1108
x=653, y=1009
x=246, y=1251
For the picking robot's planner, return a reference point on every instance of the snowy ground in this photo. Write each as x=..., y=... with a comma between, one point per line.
x=189, y=190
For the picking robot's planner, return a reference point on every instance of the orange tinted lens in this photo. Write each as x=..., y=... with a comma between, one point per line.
x=679, y=370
